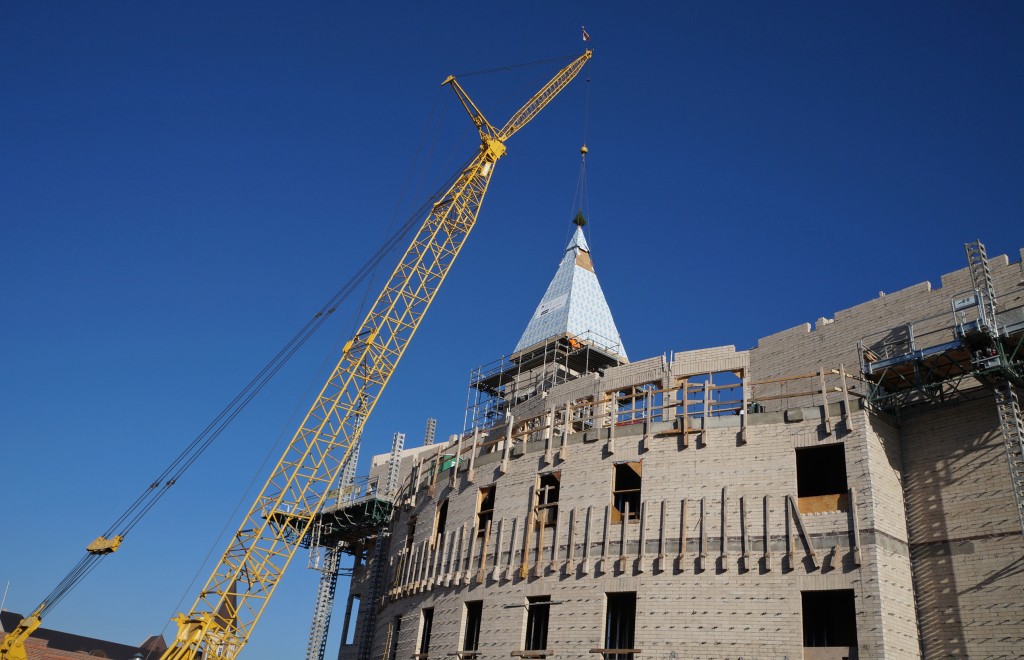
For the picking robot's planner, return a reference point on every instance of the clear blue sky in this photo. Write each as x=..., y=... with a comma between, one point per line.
x=183, y=184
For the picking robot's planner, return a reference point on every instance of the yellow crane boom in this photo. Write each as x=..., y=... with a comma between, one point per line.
x=231, y=602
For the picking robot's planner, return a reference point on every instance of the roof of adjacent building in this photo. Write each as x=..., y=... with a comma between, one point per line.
x=574, y=303
x=63, y=641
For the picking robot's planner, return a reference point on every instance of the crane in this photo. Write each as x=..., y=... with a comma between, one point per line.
x=241, y=585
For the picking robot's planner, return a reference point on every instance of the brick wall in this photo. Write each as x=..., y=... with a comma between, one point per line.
x=939, y=566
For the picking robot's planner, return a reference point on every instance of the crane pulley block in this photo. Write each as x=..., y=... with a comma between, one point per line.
x=104, y=546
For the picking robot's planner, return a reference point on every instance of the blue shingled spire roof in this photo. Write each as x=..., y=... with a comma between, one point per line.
x=574, y=303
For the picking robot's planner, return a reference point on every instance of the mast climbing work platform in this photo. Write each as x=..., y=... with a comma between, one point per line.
x=980, y=350
x=356, y=522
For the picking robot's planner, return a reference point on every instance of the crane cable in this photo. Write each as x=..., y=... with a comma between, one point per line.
x=166, y=479
x=581, y=199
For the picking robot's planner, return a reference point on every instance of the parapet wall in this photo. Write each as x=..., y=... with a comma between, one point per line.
x=834, y=341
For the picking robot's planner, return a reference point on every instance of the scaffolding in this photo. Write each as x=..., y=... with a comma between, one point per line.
x=978, y=352
x=357, y=520
x=947, y=357
x=512, y=379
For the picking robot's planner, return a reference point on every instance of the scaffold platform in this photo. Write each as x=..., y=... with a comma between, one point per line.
x=975, y=349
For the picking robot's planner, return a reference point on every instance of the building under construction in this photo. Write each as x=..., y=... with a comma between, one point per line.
x=848, y=490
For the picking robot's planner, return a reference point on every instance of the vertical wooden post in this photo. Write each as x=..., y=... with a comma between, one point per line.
x=790, y=542
x=856, y=527
x=474, y=532
x=454, y=479
x=847, y=413
x=496, y=573
x=703, y=534
x=507, y=448
x=531, y=517
x=610, y=447
x=481, y=575
x=824, y=401
x=433, y=476
x=471, y=471
x=744, y=411
x=661, y=538
x=682, y=536
x=554, y=544
x=724, y=551
x=588, y=525
x=457, y=564
x=538, y=568
x=605, y=542
x=511, y=549
x=570, y=549
x=641, y=552
x=744, y=540
x=546, y=458
x=684, y=420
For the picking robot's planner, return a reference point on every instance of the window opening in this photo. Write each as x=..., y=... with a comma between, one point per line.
x=626, y=490
x=484, y=508
x=830, y=618
x=714, y=394
x=821, y=478
x=538, y=611
x=619, y=625
x=547, y=498
x=396, y=627
x=474, y=615
x=582, y=417
x=440, y=520
x=426, y=626
x=348, y=630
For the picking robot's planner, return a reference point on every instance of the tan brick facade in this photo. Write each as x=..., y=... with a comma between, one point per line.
x=929, y=543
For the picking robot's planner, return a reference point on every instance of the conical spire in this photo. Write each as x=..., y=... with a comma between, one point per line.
x=574, y=302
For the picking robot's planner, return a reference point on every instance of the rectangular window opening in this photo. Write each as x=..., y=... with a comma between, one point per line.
x=538, y=610
x=474, y=610
x=547, y=498
x=348, y=631
x=620, y=625
x=830, y=618
x=396, y=628
x=440, y=520
x=426, y=627
x=821, y=478
x=484, y=508
x=626, y=491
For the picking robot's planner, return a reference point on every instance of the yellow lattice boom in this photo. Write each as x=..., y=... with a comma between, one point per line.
x=235, y=596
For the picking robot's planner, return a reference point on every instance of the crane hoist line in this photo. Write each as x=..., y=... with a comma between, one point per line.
x=241, y=585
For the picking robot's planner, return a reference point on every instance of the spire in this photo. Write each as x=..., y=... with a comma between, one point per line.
x=574, y=303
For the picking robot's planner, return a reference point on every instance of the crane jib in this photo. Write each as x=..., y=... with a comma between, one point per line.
x=236, y=594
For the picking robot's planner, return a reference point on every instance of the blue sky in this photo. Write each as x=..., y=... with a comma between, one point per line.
x=182, y=185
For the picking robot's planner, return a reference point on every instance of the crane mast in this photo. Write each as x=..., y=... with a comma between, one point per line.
x=236, y=594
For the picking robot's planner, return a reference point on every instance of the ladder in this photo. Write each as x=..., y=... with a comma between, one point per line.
x=378, y=571
x=981, y=277
x=1012, y=426
x=377, y=567
x=1007, y=405
x=327, y=560
x=324, y=604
